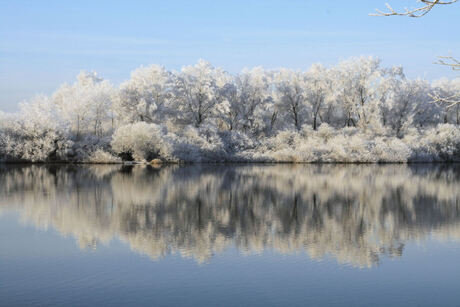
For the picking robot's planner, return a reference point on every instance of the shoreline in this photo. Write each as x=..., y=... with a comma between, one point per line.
x=217, y=163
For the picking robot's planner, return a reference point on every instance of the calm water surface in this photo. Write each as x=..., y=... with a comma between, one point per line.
x=293, y=235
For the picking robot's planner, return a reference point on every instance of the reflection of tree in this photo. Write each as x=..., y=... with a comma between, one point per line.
x=355, y=213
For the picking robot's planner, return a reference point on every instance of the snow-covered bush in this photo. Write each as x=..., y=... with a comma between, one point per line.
x=236, y=141
x=326, y=132
x=202, y=144
x=330, y=145
x=84, y=147
x=101, y=156
x=36, y=134
x=142, y=141
x=441, y=143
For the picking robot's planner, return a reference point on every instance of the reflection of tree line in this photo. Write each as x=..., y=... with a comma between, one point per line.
x=355, y=213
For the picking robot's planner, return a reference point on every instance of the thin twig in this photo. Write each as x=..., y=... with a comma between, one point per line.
x=449, y=61
x=448, y=102
x=417, y=12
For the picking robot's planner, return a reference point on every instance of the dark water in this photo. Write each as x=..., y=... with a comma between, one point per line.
x=291, y=235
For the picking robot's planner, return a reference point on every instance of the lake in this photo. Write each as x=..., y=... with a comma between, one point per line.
x=230, y=235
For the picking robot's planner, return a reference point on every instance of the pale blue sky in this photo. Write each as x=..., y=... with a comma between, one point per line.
x=45, y=43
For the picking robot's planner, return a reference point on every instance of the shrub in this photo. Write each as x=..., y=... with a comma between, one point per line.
x=142, y=140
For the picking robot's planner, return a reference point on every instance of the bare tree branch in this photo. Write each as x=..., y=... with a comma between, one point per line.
x=449, y=61
x=453, y=63
x=417, y=12
x=448, y=102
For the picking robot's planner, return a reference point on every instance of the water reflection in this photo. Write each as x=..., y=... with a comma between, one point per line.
x=354, y=213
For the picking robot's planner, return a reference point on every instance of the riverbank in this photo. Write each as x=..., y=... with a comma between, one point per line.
x=326, y=145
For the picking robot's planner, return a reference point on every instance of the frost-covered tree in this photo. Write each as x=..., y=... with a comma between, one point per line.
x=86, y=105
x=425, y=8
x=362, y=87
x=356, y=111
x=257, y=110
x=450, y=91
x=291, y=87
x=37, y=133
x=230, y=109
x=197, y=90
x=145, y=96
x=409, y=98
x=318, y=93
x=353, y=80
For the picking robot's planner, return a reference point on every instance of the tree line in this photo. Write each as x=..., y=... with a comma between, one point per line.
x=203, y=113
